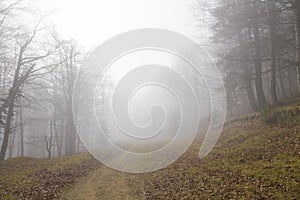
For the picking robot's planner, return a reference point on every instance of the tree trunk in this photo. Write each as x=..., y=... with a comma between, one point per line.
x=297, y=31
x=12, y=139
x=57, y=136
x=249, y=89
x=255, y=36
x=271, y=22
x=70, y=124
x=69, y=87
x=49, y=143
x=283, y=88
x=293, y=82
x=258, y=69
x=71, y=133
x=21, y=130
x=250, y=95
x=7, y=130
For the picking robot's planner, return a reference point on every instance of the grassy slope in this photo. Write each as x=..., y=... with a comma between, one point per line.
x=251, y=161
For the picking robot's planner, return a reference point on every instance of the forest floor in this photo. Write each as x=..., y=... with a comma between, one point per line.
x=252, y=160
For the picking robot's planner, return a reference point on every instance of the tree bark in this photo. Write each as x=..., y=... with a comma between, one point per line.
x=293, y=82
x=21, y=130
x=272, y=41
x=248, y=72
x=283, y=88
x=257, y=57
x=258, y=69
x=10, y=102
x=297, y=31
x=12, y=139
x=49, y=143
x=71, y=133
x=70, y=123
x=7, y=130
x=250, y=92
x=57, y=137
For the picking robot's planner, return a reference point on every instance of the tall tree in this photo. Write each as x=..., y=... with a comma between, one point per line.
x=272, y=20
x=297, y=27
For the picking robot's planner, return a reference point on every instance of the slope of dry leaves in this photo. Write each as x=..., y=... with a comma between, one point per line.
x=251, y=161
x=31, y=178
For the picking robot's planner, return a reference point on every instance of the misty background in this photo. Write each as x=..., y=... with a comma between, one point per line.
x=255, y=45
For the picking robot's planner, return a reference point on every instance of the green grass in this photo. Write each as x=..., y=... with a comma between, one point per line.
x=251, y=161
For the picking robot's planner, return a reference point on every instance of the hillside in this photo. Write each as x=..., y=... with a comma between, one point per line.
x=252, y=160
x=32, y=178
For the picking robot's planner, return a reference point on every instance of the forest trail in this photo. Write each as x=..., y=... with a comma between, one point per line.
x=106, y=183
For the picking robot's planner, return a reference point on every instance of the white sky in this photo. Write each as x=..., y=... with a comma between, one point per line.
x=93, y=21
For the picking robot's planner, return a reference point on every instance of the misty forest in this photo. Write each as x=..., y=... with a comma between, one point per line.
x=255, y=45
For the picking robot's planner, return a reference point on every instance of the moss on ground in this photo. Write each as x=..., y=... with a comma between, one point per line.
x=252, y=160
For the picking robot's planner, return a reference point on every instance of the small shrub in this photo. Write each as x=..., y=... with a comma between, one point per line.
x=269, y=115
x=288, y=118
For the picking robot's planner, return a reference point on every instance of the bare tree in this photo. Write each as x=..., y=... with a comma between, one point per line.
x=27, y=67
x=49, y=140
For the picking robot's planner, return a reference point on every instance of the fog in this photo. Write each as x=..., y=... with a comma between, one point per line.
x=192, y=99
x=89, y=76
x=91, y=22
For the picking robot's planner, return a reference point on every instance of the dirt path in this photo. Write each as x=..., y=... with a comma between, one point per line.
x=106, y=184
